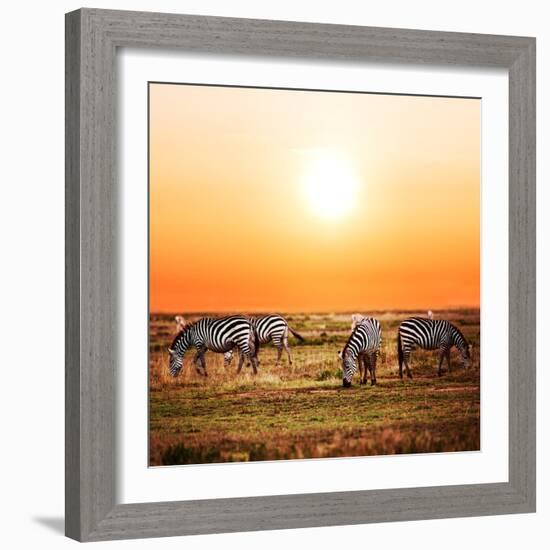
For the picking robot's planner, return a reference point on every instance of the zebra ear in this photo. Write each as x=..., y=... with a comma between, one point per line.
x=340, y=354
x=171, y=351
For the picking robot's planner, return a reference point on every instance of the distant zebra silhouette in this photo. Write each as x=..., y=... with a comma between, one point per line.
x=218, y=335
x=362, y=347
x=271, y=328
x=430, y=334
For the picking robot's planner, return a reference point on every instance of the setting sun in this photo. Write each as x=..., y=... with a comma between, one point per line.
x=330, y=186
x=285, y=200
x=288, y=225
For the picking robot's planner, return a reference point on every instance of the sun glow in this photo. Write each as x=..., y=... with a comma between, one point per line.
x=330, y=186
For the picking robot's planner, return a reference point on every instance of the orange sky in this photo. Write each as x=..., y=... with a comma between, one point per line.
x=233, y=228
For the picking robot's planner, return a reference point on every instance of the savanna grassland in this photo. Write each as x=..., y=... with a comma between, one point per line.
x=301, y=410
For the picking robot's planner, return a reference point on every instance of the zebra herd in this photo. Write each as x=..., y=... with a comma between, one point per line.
x=246, y=334
x=223, y=335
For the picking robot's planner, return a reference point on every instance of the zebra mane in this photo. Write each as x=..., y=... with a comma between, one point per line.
x=352, y=333
x=181, y=334
x=458, y=332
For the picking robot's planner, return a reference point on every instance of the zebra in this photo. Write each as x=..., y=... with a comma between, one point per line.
x=218, y=335
x=270, y=328
x=430, y=334
x=363, y=345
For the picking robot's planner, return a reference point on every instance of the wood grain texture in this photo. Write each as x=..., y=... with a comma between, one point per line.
x=72, y=276
x=91, y=215
x=92, y=37
x=522, y=274
x=309, y=510
x=308, y=40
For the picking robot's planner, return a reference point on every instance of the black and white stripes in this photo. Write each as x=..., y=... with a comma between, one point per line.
x=218, y=335
x=223, y=335
x=361, y=349
x=271, y=328
x=430, y=334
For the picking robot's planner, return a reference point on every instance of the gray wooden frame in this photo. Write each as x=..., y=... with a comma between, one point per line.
x=92, y=39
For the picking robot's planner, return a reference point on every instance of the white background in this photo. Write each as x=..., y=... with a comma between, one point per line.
x=31, y=218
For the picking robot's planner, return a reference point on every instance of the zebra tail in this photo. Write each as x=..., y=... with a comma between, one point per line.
x=399, y=351
x=299, y=336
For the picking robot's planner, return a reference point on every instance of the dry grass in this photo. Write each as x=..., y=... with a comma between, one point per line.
x=301, y=410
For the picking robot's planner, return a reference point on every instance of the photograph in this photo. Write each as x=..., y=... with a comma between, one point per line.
x=279, y=262
x=314, y=274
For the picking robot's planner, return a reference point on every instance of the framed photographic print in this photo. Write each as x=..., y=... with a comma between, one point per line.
x=300, y=275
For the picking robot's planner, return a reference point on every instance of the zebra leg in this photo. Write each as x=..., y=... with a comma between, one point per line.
x=199, y=358
x=367, y=359
x=442, y=354
x=449, y=359
x=372, y=369
x=203, y=363
x=241, y=361
x=279, y=347
x=285, y=344
x=406, y=357
x=370, y=362
x=279, y=353
x=253, y=361
x=196, y=360
x=362, y=365
x=245, y=357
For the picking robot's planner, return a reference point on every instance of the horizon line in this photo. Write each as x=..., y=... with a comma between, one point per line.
x=333, y=311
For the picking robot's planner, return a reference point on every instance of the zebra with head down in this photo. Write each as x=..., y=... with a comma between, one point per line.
x=271, y=328
x=418, y=332
x=215, y=334
x=361, y=350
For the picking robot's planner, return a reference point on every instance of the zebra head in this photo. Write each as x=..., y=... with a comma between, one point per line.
x=227, y=358
x=179, y=346
x=463, y=347
x=176, y=361
x=349, y=366
x=466, y=354
x=177, y=350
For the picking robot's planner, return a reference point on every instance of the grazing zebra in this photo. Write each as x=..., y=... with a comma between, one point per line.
x=271, y=328
x=363, y=345
x=430, y=334
x=219, y=335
